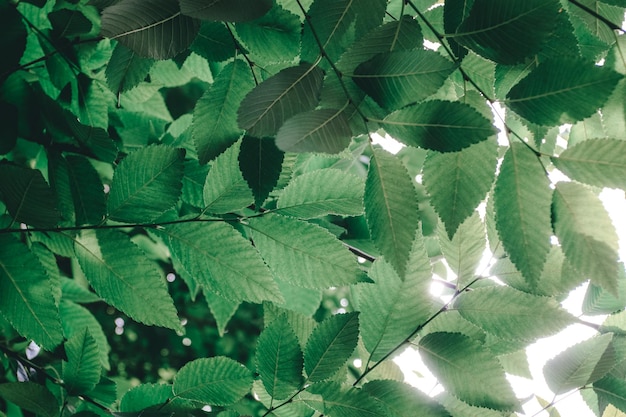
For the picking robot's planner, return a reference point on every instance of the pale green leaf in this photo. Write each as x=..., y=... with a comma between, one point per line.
x=124, y=277
x=499, y=30
x=458, y=181
x=581, y=364
x=75, y=318
x=510, y=314
x=293, y=90
x=225, y=10
x=562, y=91
x=599, y=162
x=222, y=309
x=82, y=370
x=522, y=207
x=392, y=308
x=279, y=359
x=146, y=183
x=330, y=345
x=302, y=253
x=214, y=127
x=468, y=370
x=214, y=381
x=302, y=300
x=222, y=261
x=599, y=301
x=391, y=208
x=160, y=34
x=399, y=399
x=395, y=79
x=586, y=233
x=458, y=408
x=322, y=192
x=225, y=189
x=32, y=397
x=322, y=130
x=126, y=69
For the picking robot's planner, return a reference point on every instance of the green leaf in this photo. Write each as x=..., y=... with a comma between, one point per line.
x=14, y=44
x=322, y=192
x=395, y=79
x=458, y=181
x=214, y=42
x=402, y=400
x=222, y=261
x=225, y=10
x=499, y=30
x=222, y=310
x=82, y=370
x=31, y=397
x=352, y=403
x=599, y=301
x=121, y=274
x=599, y=162
x=160, y=34
x=392, y=308
x=611, y=390
x=214, y=381
x=586, y=233
x=75, y=318
x=261, y=163
x=330, y=345
x=214, y=127
x=87, y=190
x=279, y=360
x=27, y=196
x=145, y=395
x=562, y=91
x=302, y=253
x=147, y=183
x=581, y=364
x=391, y=208
x=444, y=126
x=126, y=69
x=322, y=130
x=522, y=206
x=225, y=189
x=468, y=370
x=25, y=294
x=293, y=90
x=510, y=314
x=193, y=183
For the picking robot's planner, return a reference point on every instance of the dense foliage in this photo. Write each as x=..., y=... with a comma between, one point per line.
x=196, y=219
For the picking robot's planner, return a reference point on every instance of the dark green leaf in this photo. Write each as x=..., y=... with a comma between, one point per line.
x=214, y=381
x=87, y=191
x=25, y=294
x=145, y=395
x=444, y=126
x=330, y=345
x=126, y=69
x=293, y=90
x=225, y=10
x=14, y=39
x=322, y=130
x=261, y=163
x=82, y=370
x=214, y=42
x=69, y=23
x=402, y=400
x=611, y=390
x=146, y=183
x=31, y=396
x=160, y=34
x=76, y=318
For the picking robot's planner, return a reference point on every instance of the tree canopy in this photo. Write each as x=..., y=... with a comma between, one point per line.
x=196, y=217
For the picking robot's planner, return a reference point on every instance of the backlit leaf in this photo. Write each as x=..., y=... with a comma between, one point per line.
x=330, y=345
x=25, y=294
x=159, y=32
x=225, y=10
x=465, y=250
x=82, y=370
x=322, y=130
x=444, y=126
x=146, y=183
x=468, y=370
x=214, y=381
x=400, y=399
x=122, y=275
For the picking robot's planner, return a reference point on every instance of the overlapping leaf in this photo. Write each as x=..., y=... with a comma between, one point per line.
x=293, y=90
x=87, y=190
x=522, y=205
x=330, y=345
x=261, y=164
x=402, y=400
x=562, y=91
x=222, y=261
x=75, y=318
x=586, y=233
x=599, y=162
x=214, y=126
x=468, y=370
x=302, y=253
x=122, y=275
x=82, y=370
x=126, y=69
x=146, y=183
x=395, y=79
x=222, y=309
x=159, y=32
x=458, y=181
x=225, y=10
x=215, y=381
x=322, y=130
x=25, y=294
x=31, y=396
x=391, y=208
x=466, y=249
x=322, y=192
